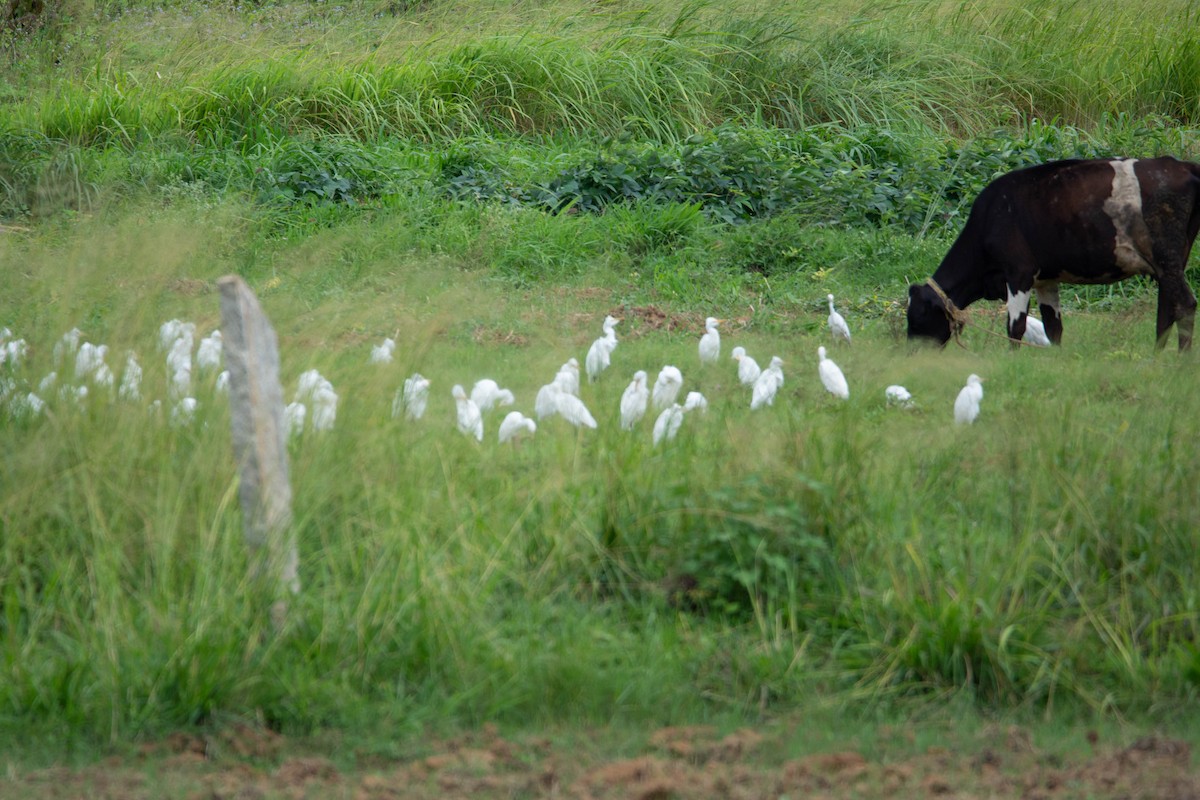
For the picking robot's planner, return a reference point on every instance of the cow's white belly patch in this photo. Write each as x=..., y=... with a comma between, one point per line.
x=1124, y=208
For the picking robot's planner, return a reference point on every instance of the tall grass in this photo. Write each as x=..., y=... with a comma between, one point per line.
x=663, y=76
x=1041, y=558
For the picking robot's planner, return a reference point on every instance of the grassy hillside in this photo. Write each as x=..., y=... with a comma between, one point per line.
x=485, y=182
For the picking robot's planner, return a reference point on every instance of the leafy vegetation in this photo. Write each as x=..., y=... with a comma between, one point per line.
x=485, y=184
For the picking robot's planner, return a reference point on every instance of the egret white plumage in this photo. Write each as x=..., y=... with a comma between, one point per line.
x=131, y=380
x=966, y=405
x=831, y=376
x=1035, y=332
x=382, y=353
x=102, y=376
x=222, y=382
x=599, y=355
x=710, y=342
x=324, y=406
x=309, y=381
x=572, y=409
x=48, y=382
x=174, y=329
x=748, y=369
x=180, y=355
x=514, y=425
x=898, y=396
x=208, y=354
x=470, y=420
x=88, y=359
x=181, y=382
x=666, y=387
x=184, y=412
x=767, y=385
x=66, y=346
x=837, y=324
x=568, y=377
x=668, y=423
x=634, y=400
x=546, y=402
x=486, y=394
x=293, y=417
x=695, y=402
x=413, y=397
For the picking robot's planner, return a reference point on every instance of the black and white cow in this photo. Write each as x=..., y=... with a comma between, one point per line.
x=1097, y=221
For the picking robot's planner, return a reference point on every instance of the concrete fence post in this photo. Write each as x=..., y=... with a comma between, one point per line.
x=260, y=441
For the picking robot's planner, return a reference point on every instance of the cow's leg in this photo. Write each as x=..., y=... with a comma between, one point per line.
x=1018, y=310
x=1048, y=305
x=1176, y=305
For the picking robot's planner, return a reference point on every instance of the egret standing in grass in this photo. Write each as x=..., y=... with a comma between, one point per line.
x=837, y=324
x=667, y=386
x=634, y=400
x=324, y=406
x=599, y=355
x=767, y=385
x=966, y=406
x=412, y=398
x=382, y=353
x=572, y=409
x=208, y=355
x=668, y=422
x=486, y=394
x=898, y=396
x=470, y=420
x=131, y=381
x=568, y=377
x=514, y=425
x=748, y=369
x=710, y=342
x=695, y=402
x=831, y=376
x=1035, y=332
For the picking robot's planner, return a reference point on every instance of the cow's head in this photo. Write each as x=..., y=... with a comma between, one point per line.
x=927, y=317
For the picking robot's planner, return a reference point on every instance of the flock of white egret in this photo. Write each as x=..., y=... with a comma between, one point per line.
x=314, y=404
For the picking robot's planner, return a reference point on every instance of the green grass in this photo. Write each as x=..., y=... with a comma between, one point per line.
x=397, y=176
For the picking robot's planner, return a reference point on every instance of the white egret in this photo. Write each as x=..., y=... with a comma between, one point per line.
x=898, y=396
x=293, y=417
x=324, y=406
x=48, y=382
x=837, y=324
x=569, y=373
x=546, y=402
x=88, y=359
x=668, y=422
x=180, y=355
x=486, y=394
x=634, y=400
x=181, y=382
x=831, y=376
x=208, y=354
x=572, y=409
x=14, y=351
x=599, y=355
x=382, y=353
x=748, y=369
x=767, y=385
x=307, y=384
x=1035, y=332
x=666, y=387
x=695, y=402
x=172, y=330
x=131, y=381
x=184, y=412
x=222, y=382
x=413, y=398
x=470, y=420
x=514, y=425
x=966, y=406
x=66, y=346
x=710, y=342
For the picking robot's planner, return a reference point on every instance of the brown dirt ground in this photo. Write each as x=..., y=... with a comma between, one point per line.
x=243, y=763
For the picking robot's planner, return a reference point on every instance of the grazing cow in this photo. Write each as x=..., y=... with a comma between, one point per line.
x=1097, y=221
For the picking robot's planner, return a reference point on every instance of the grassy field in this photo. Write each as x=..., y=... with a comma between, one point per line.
x=485, y=183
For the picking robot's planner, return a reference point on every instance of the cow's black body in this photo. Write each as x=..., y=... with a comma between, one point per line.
x=1097, y=221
